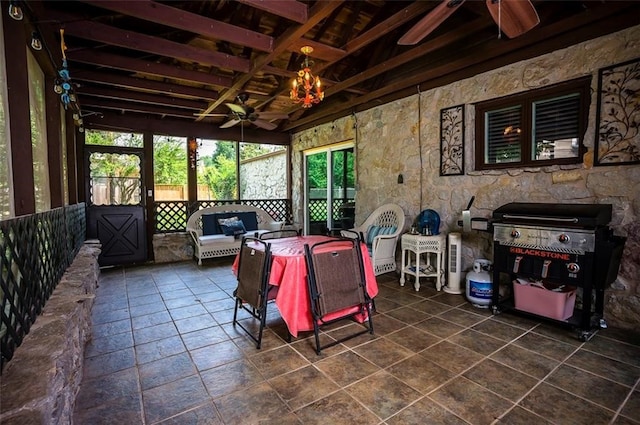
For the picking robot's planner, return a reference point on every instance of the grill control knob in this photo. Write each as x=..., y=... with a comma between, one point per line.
x=515, y=234
x=573, y=268
x=564, y=238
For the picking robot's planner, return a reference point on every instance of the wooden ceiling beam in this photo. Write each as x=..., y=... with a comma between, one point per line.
x=368, y=37
x=320, y=51
x=109, y=60
x=410, y=55
x=179, y=127
x=127, y=82
x=318, y=12
x=192, y=22
x=388, y=25
x=154, y=99
x=497, y=53
x=292, y=10
x=106, y=34
x=118, y=105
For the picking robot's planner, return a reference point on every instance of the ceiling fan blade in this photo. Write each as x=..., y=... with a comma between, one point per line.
x=273, y=115
x=230, y=123
x=513, y=17
x=198, y=114
x=238, y=109
x=265, y=124
x=430, y=22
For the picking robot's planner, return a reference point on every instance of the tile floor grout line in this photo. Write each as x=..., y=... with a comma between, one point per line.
x=534, y=330
x=135, y=357
x=624, y=403
x=539, y=380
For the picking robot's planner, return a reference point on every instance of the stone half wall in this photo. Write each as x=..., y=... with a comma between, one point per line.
x=402, y=137
x=172, y=247
x=39, y=385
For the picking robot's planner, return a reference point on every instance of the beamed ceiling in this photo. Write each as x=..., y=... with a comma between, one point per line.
x=159, y=63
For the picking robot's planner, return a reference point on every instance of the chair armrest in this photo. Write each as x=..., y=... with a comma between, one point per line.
x=276, y=225
x=359, y=229
x=194, y=235
x=384, y=244
x=352, y=234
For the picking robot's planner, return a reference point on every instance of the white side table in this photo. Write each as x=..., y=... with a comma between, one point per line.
x=419, y=245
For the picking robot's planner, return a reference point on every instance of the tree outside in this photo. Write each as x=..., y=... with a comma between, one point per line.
x=170, y=166
x=217, y=169
x=115, y=178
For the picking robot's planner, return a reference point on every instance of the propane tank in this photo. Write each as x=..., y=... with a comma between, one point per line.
x=479, y=289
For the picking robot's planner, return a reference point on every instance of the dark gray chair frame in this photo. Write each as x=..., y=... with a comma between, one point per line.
x=336, y=281
x=252, y=293
x=276, y=234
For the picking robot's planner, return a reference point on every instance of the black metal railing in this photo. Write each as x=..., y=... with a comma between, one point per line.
x=35, y=251
x=172, y=216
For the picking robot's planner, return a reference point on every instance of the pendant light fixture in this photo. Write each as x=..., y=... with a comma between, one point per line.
x=307, y=88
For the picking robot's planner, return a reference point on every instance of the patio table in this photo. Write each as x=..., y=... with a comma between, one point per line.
x=289, y=274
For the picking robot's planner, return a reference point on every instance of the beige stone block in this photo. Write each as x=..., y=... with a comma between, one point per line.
x=566, y=177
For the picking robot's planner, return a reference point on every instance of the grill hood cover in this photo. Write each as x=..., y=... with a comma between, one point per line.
x=572, y=215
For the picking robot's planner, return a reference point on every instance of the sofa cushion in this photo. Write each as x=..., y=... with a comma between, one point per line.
x=210, y=225
x=214, y=239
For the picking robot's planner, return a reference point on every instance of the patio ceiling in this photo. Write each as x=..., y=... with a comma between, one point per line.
x=170, y=60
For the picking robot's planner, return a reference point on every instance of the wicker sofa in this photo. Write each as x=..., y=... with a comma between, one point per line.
x=208, y=240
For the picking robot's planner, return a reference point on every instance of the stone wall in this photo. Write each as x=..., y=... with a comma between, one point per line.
x=172, y=247
x=264, y=177
x=40, y=384
x=402, y=137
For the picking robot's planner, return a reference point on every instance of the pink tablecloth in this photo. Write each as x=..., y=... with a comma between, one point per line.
x=289, y=273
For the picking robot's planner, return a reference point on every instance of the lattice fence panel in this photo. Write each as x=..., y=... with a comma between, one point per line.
x=278, y=209
x=35, y=251
x=318, y=209
x=172, y=216
x=336, y=214
x=77, y=228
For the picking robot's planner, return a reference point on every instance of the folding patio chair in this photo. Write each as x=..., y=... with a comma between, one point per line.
x=336, y=280
x=252, y=293
x=275, y=234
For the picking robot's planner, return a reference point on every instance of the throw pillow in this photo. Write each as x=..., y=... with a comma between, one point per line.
x=209, y=225
x=232, y=226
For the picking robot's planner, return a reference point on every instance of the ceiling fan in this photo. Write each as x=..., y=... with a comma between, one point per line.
x=241, y=112
x=514, y=18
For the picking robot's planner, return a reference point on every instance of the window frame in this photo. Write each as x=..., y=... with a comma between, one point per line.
x=525, y=100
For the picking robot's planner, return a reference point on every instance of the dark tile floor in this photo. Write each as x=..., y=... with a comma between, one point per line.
x=164, y=351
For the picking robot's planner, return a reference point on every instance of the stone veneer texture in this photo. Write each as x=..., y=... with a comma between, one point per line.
x=402, y=137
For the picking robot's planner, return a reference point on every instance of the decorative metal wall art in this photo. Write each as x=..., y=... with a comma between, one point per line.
x=618, y=135
x=452, y=141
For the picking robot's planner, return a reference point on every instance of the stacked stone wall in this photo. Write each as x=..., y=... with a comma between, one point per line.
x=39, y=385
x=402, y=137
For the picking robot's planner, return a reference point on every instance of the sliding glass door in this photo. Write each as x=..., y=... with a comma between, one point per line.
x=329, y=188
